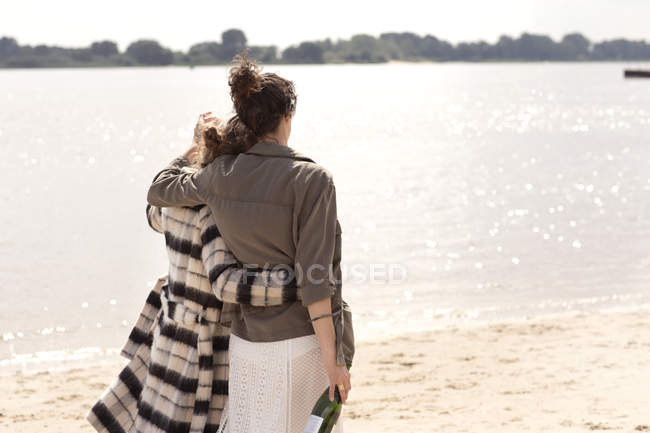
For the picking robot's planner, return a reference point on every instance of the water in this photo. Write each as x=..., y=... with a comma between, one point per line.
x=500, y=190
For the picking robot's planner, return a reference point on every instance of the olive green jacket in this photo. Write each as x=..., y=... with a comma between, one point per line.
x=273, y=206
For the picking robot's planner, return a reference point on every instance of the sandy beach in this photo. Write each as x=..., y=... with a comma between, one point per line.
x=573, y=373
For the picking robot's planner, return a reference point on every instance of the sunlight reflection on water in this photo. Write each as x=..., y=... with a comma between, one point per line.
x=505, y=190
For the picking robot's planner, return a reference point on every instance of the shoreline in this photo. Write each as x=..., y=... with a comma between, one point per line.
x=388, y=62
x=579, y=372
x=61, y=360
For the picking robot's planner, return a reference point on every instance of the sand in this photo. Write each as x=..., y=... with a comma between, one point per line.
x=574, y=373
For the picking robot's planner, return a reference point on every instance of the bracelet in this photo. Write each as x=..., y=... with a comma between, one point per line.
x=324, y=315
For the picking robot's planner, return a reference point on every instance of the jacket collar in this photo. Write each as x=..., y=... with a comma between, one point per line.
x=272, y=149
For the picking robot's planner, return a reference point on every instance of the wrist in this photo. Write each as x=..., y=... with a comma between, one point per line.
x=329, y=358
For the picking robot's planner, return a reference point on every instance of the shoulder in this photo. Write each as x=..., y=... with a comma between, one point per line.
x=313, y=186
x=313, y=175
x=309, y=170
x=191, y=216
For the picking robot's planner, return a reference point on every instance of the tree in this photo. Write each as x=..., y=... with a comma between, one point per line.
x=434, y=49
x=149, y=52
x=575, y=46
x=364, y=49
x=104, y=48
x=41, y=50
x=233, y=42
x=81, y=54
x=8, y=47
x=206, y=52
x=265, y=54
x=506, y=48
x=475, y=51
x=621, y=49
x=536, y=47
x=408, y=44
x=306, y=52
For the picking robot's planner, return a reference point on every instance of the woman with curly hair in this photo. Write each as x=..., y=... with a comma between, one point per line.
x=176, y=379
x=275, y=208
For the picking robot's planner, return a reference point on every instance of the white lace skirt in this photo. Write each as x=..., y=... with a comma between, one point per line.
x=273, y=386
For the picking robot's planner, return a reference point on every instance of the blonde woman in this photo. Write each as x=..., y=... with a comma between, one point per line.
x=177, y=376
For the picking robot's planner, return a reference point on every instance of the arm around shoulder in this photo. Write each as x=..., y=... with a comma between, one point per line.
x=174, y=186
x=154, y=218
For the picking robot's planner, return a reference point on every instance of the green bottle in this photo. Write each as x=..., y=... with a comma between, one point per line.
x=325, y=412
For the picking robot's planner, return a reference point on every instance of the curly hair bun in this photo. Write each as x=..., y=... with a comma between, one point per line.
x=260, y=100
x=244, y=79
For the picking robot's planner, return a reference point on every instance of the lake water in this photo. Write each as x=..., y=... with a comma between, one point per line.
x=497, y=190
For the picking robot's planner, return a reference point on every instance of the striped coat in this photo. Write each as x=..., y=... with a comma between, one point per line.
x=176, y=379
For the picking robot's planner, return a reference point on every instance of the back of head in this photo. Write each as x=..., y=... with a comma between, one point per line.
x=260, y=101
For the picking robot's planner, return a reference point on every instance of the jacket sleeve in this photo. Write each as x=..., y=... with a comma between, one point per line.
x=174, y=187
x=317, y=226
x=154, y=218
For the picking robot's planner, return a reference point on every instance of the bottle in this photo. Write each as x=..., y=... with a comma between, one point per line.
x=325, y=412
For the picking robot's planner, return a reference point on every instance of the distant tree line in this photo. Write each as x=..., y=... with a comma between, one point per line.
x=359, y=48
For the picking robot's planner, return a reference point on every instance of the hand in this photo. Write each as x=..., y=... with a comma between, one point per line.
x=204, y=119
x=338, y=375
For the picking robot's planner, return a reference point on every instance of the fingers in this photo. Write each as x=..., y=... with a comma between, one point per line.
x=344, y=395
x=343, y=388
x=340, y=380
x=348, y=386
x=205, y=117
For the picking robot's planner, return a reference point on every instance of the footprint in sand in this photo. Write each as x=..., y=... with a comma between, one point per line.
x=409, y=364
x=98, y=385
x=598, y=426
x=411, y=378
x=462, y=386
x=70, y=397
x=466, y=358
x=515, y=392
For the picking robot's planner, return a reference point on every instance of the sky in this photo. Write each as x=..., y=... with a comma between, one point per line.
x=180, y=24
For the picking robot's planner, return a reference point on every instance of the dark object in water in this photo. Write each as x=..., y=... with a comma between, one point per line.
x=637, y=73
